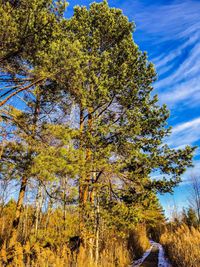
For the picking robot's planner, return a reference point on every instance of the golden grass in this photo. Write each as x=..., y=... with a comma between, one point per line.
x=116, y=256
x=138, y=242
x=115, y=251
x=182, y=246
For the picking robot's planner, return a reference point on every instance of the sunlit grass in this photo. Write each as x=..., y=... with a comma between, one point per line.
x=183, y=246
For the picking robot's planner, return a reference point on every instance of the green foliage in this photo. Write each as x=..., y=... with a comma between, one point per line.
x=89, y=134
x=34, y=46
x=189, y=217
x=127, y=123
x=27, y=27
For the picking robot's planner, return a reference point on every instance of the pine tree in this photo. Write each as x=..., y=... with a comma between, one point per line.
x=33, y=49
x=36, y=150
x=122, y=127
x=191, y=218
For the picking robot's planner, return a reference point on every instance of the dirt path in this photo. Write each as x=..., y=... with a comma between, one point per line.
x=154, y=257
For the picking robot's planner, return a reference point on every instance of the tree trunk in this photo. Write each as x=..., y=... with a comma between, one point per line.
x=81, y=207
x=49, y=210
x=15, y=224
x=64, y=188
x=38, y=205
x=25, y=224
x=97, y=232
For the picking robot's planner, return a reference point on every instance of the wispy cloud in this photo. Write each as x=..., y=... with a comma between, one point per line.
x=187, y=125
x=188, y=91
x=166, y=58
x=185, y=133
x=188, y=69
x=177, y=19
x=172, y=32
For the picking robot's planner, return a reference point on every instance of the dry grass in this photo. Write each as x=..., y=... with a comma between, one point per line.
x=138, y=242
x=116, y=256
x=183, y=246
x=115, y=251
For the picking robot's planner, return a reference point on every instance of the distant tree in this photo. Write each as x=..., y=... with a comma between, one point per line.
x=194, y=198
x=184, y=216
x=192, y=217
x=189, y=217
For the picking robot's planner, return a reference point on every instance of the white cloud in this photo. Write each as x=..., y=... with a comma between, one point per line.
x=175, y=20
x=187, y=125
x=185, y=133
x=188, y=91
x=189, y=68
x=193, y=171
x=166, y=58
x=174, y=30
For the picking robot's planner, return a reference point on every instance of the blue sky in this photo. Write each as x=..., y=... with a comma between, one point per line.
x=170, y=32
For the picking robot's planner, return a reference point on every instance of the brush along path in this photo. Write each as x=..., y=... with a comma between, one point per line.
x=154, y=257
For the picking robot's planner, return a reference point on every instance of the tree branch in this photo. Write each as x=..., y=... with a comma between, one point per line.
x=21, y=90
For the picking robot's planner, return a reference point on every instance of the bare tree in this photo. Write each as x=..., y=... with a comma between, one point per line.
x=194, y=198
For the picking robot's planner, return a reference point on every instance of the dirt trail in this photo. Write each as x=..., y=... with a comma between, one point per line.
x=154, y=257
